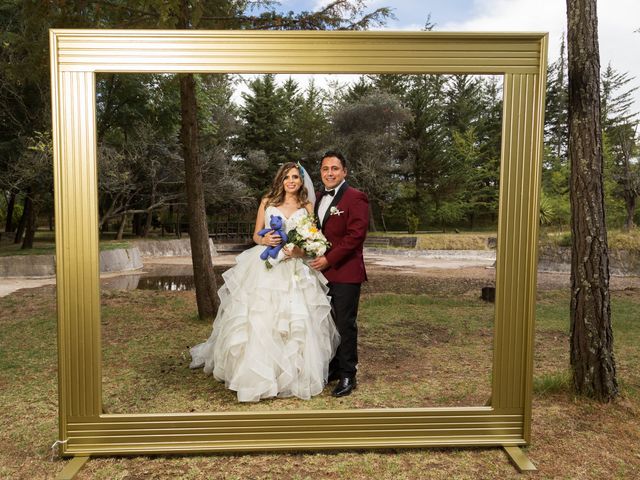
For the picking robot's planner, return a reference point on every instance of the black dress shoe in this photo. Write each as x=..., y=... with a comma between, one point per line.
x=333, y=376
x=345, y=386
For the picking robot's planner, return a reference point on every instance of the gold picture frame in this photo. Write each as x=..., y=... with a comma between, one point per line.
x=76, y=56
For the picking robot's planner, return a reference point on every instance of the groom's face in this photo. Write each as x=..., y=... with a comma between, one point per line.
x=332, y=172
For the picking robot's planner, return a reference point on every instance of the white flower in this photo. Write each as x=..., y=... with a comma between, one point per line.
x=309, y=237
x=304, y=231
x=293, y=222
x=317, y=248
x=335, y=211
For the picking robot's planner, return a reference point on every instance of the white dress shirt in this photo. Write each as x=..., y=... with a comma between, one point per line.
x=325, y=201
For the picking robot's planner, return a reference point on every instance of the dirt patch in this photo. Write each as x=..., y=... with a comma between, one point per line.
x=402, y=347
x=434, y=282
x=467, y=280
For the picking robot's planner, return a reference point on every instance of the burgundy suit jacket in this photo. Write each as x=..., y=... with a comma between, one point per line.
x=346, y=232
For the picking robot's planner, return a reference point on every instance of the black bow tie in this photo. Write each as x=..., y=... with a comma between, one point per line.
x=330, y=192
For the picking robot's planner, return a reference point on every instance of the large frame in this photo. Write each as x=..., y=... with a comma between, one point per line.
x=76, y=55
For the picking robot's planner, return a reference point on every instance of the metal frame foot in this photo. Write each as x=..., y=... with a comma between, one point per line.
x=72, y=468
x=520, y=459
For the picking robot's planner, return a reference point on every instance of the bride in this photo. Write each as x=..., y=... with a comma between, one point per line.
x=273, y=335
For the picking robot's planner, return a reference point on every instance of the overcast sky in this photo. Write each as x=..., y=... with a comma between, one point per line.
x=618, y=19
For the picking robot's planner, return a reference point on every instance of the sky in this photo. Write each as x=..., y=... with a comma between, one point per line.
x=617, y=22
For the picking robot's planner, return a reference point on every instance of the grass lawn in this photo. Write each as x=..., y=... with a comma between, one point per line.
x=416, y=350
x=44, y=244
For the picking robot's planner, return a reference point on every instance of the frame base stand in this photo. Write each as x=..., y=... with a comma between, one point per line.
x=520, y=459
x=72, y=468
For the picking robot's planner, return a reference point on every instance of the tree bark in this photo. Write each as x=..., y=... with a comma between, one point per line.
x=136, y=224
x=23, y=219
x=630, y=205
x=30, y=226
x=123, y=222
x=147, y=224
x=592, y=360
x=149, y=217
x=11, y=203
x=372, y=220
x=203, y=274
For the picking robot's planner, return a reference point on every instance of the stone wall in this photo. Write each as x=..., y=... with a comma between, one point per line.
x=558, y=259
x=168, y=248
x=120, y=260
x=554, y=259
x=117, y=260
x=28, y=266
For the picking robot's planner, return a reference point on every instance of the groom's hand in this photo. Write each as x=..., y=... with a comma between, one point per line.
x=319, y=263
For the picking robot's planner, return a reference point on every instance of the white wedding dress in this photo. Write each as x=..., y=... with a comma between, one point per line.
x=273, y=335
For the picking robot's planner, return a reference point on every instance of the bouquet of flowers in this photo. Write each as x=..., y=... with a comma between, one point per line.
x=306, y=235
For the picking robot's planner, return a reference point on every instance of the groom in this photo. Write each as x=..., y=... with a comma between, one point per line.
x=343, y=213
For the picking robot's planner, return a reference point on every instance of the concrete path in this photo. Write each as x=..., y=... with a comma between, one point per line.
x=439, y=259
x=10, y=285
x=182, y=265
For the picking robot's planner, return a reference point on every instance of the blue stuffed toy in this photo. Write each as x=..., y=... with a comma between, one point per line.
x=276, y=225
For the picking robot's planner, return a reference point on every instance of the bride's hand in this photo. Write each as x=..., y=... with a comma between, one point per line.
x=271, y=239
x=295, y=252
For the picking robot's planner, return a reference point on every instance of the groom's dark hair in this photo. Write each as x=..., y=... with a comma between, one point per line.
x=338, y=155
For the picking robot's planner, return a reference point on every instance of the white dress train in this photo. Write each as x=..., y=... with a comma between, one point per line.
x=273, y=335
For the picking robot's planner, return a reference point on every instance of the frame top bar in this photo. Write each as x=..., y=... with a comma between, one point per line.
x=245, y=51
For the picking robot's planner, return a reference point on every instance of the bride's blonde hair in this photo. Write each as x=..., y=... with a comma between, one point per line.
x=275, y=196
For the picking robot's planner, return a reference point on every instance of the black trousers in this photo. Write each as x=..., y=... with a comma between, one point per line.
x=344, y=302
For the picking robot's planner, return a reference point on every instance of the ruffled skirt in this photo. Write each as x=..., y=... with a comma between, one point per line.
x=273, y=335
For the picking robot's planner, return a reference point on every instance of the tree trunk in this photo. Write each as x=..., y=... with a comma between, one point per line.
x=178, y=231
x=123, y=222
x=11, y=203
x=136, y=224
x=592, y=361
x=382, y=219
x=147, y=224
x=630, y=205
x=149, y=218
x=23, y=219
x=372, y=220
x=30, y=227
x=203, y=274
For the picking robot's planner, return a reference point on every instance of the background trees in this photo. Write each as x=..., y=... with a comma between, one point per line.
x=368, y=130
x=620, y=140
x=440, y=162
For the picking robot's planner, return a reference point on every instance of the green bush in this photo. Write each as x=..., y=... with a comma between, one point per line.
x=412, y=222
x=547, y=210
